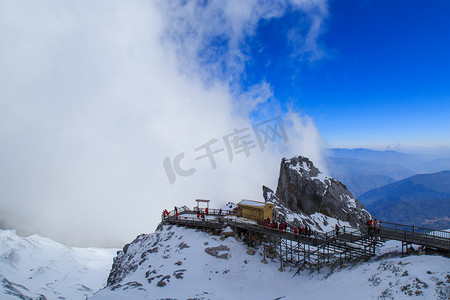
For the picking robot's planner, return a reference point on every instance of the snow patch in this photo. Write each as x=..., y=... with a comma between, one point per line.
x=227, y=230
x=252, y=203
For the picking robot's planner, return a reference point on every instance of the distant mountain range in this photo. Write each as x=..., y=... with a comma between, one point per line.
x=363, y=169
x=422, y=199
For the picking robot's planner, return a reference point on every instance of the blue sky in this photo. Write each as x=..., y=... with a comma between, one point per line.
x=383, y=77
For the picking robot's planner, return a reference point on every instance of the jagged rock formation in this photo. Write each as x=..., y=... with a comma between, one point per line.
x=304, y=190
x=126, y=262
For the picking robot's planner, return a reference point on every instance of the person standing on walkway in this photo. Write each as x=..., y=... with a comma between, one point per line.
x=369, y=225
x=336, y=227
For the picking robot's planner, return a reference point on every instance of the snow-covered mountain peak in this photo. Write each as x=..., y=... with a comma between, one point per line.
x=302, y=165
x=36, y=267
x=306, y=169
x=314, y=197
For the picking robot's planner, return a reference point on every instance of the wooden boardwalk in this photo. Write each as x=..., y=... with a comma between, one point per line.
x=431, y=238
x=317, y=248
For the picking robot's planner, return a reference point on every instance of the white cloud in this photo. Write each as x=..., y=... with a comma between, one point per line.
x=94, y=95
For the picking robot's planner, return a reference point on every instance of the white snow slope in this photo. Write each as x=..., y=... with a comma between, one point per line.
x=38, y=267
x=180, y=263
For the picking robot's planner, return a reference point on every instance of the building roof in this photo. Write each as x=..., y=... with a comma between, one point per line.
x=253, y=203
x=202, y=200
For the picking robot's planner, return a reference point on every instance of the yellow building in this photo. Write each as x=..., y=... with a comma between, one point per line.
x=255, y=210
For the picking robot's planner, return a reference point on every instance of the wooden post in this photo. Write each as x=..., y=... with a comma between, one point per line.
x=291, y=249
x=264, y=246
x=286, y=249
x=281, y=257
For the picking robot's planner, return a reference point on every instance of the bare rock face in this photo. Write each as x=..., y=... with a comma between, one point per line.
x=302, y=188
x=214, y=251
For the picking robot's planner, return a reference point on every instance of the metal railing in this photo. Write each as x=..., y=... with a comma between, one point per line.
x=412, y=234
x=182, y=220
x=214, y=211
x=416, y=230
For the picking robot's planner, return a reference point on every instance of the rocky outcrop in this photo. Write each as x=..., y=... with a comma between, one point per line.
x=214, y=251
x=127, y=262
x=303, y=189
x=18, y=290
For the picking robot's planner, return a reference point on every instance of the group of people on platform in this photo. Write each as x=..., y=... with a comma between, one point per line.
x=275, y=225
x=373, y=225
x=304, y=230
x=201, y=215
x=166, y=213
x=283, y=226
